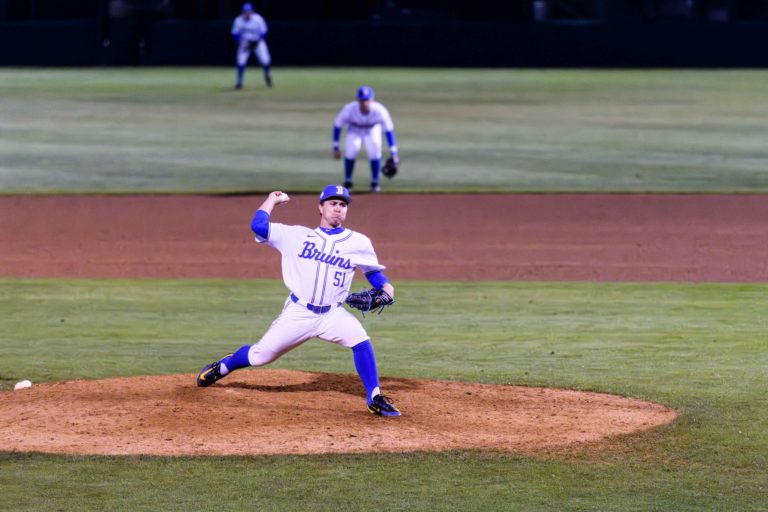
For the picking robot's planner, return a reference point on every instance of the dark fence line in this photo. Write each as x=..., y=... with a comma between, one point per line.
x=365, y=43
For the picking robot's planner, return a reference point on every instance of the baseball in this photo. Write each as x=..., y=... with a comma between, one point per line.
x=22, y=385
x=283, y=198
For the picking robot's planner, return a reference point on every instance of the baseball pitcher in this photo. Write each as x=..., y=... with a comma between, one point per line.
x=318, y=266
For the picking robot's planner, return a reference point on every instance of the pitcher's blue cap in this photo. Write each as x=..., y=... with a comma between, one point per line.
x=365, y=93
x=247, y=7
x=332, y=191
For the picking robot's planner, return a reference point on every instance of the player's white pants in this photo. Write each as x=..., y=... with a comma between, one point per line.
x=356, y=137
x=296, y=324
x=260, y=50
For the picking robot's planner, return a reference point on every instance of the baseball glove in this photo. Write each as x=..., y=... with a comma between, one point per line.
x=391, y=166
x=368, y=300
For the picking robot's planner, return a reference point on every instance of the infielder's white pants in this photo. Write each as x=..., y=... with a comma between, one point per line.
x=356, y=137
x=296, y=324
x=261, y=51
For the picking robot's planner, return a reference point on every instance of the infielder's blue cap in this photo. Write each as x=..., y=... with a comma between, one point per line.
x=332, y=191
x=247, y=7
x=365, y=93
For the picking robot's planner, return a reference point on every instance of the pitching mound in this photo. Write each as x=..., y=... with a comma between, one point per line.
x=279, y=411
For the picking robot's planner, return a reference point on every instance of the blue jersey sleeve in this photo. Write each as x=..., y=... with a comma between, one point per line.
x=377, y=279
x=260, y=225
x=392, y=141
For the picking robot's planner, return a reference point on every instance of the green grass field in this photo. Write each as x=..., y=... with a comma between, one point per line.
x=186, y=130
x=697, y=348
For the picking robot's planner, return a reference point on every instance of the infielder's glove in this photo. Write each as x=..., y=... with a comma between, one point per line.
x=391, y=166
x=368, y=300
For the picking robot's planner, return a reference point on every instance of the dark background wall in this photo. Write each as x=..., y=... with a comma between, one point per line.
x=595, y=33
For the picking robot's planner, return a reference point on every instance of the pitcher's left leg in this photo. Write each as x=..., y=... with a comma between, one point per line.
x=341, y=327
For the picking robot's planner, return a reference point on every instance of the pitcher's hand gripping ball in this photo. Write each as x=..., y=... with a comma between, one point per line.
x=281, y=198
x=368, y=300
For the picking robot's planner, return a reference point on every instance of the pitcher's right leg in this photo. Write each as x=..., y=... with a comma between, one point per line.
x=289, y=330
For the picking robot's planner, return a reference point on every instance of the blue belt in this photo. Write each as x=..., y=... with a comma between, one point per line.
x=315, y=309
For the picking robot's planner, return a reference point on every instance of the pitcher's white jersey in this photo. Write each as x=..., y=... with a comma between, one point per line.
x=318, y=266
x=250, y=30
x=351, y=116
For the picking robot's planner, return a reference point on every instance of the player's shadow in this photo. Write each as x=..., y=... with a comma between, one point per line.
x=323, y=382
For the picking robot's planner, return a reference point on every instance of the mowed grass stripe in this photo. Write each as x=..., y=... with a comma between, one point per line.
x=185, y=130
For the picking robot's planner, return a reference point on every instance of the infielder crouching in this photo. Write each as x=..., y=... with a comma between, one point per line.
x=364, y=119
x=249, y=30
x=318, y=266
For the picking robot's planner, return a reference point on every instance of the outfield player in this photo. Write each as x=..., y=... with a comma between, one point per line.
x=318, y=267
x=364, y=119
x=249, y=30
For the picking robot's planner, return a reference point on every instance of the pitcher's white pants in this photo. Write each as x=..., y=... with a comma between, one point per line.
x=296, y=324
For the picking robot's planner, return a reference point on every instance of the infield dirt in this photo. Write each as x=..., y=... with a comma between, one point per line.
x=266, y=411
x=448, y=237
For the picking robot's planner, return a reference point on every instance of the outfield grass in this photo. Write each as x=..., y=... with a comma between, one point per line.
x=699, y=348
x=185, y=130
